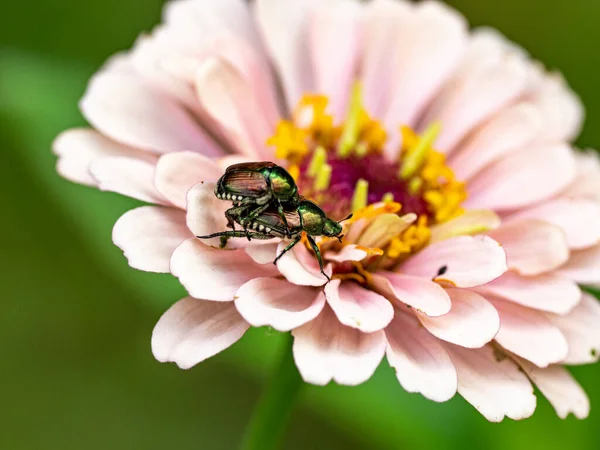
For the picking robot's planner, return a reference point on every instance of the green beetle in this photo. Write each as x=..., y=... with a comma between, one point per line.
x=306, y=217
x=256, y=185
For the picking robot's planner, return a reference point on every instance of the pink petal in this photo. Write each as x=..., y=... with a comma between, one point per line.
x=532, y=247
x=77, y=148
x=212, y=273
x=206, y=215
x=263, y=254
x=230, y=100
x=284, y=28
x=429, y=49
x=383, y=20
x=202, y=23
x=546, y=292
x=529, y=334
x=358, y=307
x=587, y=183
x=149, y=235
x=528, y=176
x=583, y=266
x=561, y=109
x=326, y=350
x=422, y=365
x=580, y=328
x=193, y=330
x=560, y=388
x=177, y=172
x=419, y=293
x=469, y=261
x=509, y=130
x=494, y=386
x=278, y=303
x=127, y=176
x=472, y=321
x=127, y=109
x=471, y=222
x=301, y=267
x=349, y=252
x=579, y=219
x=476, y=93
x=334, y=36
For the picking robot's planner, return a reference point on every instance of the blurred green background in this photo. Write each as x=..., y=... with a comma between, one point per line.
x=76, y=371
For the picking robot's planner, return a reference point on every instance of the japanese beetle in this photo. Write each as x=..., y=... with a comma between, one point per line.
x=258, y=184
x=305, y=217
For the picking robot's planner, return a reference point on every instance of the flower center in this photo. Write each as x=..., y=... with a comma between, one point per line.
x=345, y=167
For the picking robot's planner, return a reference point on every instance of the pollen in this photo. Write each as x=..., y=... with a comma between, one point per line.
x=411, y=240
x=361, y=192
x=289, y=142
x=339, y=163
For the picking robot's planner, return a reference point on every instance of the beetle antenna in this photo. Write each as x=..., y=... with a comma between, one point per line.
x=340, y=238
x=347, y=218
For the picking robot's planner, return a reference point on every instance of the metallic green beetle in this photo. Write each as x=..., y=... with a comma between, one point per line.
x=305, y=217
x=256, y=185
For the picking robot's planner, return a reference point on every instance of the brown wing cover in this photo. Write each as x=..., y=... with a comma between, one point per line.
x=272, y=219
x=244, y=182
x=250, y=166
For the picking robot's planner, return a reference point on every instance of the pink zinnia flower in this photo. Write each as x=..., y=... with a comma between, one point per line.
x=461, y=263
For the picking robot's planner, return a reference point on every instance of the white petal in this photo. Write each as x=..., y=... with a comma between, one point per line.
x=278, y=303
x=177, y=172
x=212, y=273
x=419, y=293
x=358, y=307
x=578, y=218
x=469, y=261
x=149, y=235
x=127, y=109
x=523, y=178
x=326, y=350
x=193, y=330
x=529, y=334
x=560, y=388
x=77, y=148
x=301, y=267
x=532, y=246
x=422, y=364
x=493, y=385
x=127, y=176
x=472, y=321
x=581, y=328
x=546, y=292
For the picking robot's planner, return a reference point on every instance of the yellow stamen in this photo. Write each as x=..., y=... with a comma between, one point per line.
x=323, y=178
x=388, y=197
x=414, y=185
x=351, y=128
x=417, y=155
x=319, y=158
x=362, y=148
x=361, y=194
x=411, y=240
x=289, y=142
x=349, y=276
x=361, y=270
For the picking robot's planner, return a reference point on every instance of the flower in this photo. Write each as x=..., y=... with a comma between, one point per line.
x=474, y=218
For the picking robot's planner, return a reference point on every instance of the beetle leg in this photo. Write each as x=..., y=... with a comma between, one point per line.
x=315, y=248
x=288, y=248
x=225, y=235
x=282, y=215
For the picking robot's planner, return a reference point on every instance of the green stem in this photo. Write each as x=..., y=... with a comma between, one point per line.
x=268, y=423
